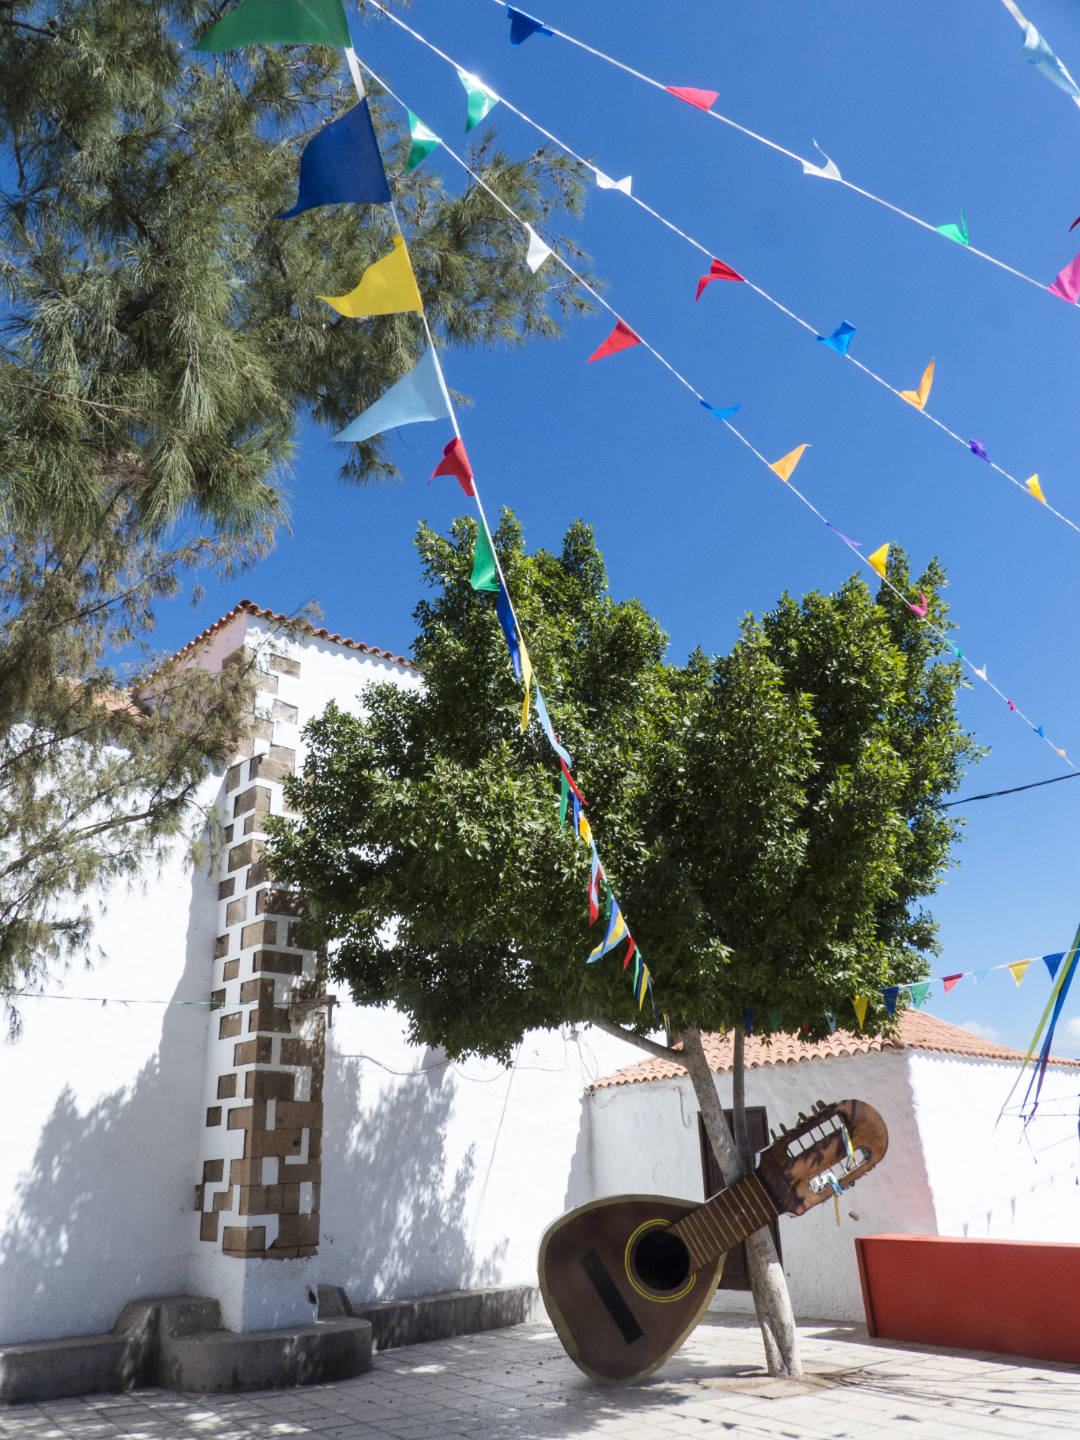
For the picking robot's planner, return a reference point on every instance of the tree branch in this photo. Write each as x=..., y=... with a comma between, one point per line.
x=665, y=1052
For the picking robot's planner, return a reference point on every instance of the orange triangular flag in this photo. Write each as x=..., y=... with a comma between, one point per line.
x=919, y=397
x=1032, y=486
x=860, y=1003
x=1019, y=969
x=878, y=559
x=784, y=467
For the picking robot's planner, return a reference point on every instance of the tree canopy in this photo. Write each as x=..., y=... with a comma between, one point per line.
x=769, y=818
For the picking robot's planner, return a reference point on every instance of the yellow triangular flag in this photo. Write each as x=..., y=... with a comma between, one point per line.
x=1019, y=969
x=1032, y=486
x=919, y=397
x=386, y=288
x=784, y=467
x=878, y=559
x=526, y=675
x=860, y=1003
x=585, y=829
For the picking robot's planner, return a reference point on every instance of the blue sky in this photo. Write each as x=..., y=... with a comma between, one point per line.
x=926, y=105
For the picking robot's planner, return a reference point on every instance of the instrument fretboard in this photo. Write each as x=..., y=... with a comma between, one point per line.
x=725, y=1220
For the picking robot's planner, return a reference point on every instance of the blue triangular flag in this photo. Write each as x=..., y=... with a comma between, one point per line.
x=419, y=395
x=342, y=164
x=549, y=729
x=522, y=26
x=748, y=1022
x=506, y=620
x=721, y=412
x=1053, y=961
x=1038, y=53
x=840, y=338
x=891, y=994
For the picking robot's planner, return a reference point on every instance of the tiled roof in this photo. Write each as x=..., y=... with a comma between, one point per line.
x=248, y=607
x=917, y=1031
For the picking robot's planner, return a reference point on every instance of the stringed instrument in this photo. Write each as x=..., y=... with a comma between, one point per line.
x=626, y=1279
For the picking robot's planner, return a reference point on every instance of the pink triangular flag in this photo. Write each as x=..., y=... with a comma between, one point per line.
x=456, y=462
x=702, y=99
x=922, y=606
x=621, y=338
x=717, y=271
x=1067, y=284
x=950, y=980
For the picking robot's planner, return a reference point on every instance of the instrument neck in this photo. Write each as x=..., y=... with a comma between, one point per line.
x=725, y=1220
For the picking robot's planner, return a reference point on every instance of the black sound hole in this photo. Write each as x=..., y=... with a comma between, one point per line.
x=661, y=1260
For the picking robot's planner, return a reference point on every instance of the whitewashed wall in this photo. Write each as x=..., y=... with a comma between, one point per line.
x=644, y=1138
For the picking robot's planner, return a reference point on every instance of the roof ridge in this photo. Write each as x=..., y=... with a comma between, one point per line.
x=249, y=607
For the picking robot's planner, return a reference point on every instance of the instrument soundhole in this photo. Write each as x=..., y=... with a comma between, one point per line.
x=661, y=1260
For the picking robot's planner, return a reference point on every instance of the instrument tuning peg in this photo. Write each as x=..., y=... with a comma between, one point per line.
x=774, y=1136
x=803, y=1118
x=819, y=1105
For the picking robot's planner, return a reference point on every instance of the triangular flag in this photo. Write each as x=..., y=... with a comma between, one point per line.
x=919, y=993
x=840, y=338
x=278, y=22
x=455, y=462
x=538, y=250
x=919, y=397
x=1038, y=53
x=417, y=396
x=891, y=994
x=786, y=464
x=585, y=831
x=506, y=619
x=342, y=165
x=959, y=233
x=594, y=894
x=774, y=1020
x=701, y=99
x=616, y=931
x=860, y=1003
x=1032, y=486
x=564, y=800
x=922, y=606
x=522, y=26
x=631, y=951
x=1067, y=284
x=549, y=729
x=481, y=100
x=423, y=141
x=878, y=560
x=646, y=984
x=748, y=1021
x=828, y=171
x=722, y=412
x=526, y=679
x=981, y=673
x=978, y=447
x=949, y=982
x=386, y=288
x=621, y=338
x=979, y=976
x=485, y=574
x=1018, y=969
x=605, y=182
x=1053, y=961
x=717, y=271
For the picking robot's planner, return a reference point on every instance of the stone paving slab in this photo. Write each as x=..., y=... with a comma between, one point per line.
x=517, y=1384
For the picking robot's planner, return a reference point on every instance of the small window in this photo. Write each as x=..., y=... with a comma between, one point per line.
x=736, y=1275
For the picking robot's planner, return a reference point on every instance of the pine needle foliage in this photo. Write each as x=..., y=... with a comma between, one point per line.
x=769, y=818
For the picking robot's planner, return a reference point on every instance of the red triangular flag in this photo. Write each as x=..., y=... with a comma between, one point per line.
x=621, y=338
x=703, y=99
x=717, y=271
x=455, y=462
x=950, y=980
x=629, y=953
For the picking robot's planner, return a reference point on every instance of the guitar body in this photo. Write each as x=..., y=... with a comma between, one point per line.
x=620, y=1295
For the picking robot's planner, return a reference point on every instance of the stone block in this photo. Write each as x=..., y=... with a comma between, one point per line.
x=230, y=1024
x=303, y=1114
x=269, y=1017
x=213, y=1170
x=296, y=1052
x=236, y=910
x=244, y=1239
x=278, y=962
x=269, y=1199
x=226, y=1087
x=226, y=888
x=260, y=932
x=284, y=665
x=257, y=992
x=230, y=970
x=213, y=1116
x=277, y=764
x=244, y=853
x=253, y=1052
x=298, y=1230
x=282, y=710
x=279, y=902
x=276, y=1085
x=256, y=799
x=275, y=1142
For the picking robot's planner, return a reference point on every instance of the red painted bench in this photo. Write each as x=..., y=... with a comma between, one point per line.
x=1015, y=1297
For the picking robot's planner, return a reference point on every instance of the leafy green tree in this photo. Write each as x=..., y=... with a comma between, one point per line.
x=768, y=818
x=161, y=338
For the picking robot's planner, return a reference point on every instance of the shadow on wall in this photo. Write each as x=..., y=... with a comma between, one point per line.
x=104, y=1213
x=394, y=1215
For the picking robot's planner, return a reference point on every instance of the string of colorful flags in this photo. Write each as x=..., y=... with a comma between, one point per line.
x=343, y=164
x=704, y=100
x=1066, y=285
x=624, y=337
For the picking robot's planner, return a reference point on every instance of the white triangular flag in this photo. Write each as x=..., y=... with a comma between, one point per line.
x=828, y=171
x=606, y=183
x=538, y=250
x=981, y=673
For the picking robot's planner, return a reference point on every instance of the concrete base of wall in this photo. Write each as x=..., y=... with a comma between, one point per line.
x=449, y=1313
x=178, y=1342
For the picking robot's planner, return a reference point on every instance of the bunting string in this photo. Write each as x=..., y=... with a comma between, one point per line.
x=1025, y=487
x=783, y=469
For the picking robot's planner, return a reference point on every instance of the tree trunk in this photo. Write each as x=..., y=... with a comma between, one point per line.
x=767, y=1282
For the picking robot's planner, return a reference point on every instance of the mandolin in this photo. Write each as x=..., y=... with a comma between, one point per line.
x=626, y=1279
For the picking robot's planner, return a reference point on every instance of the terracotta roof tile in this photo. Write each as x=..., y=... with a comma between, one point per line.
x=917, y=1031
x=249, y=607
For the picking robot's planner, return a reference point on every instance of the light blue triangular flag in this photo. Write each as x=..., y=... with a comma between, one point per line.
x=419, y=395
x=1038, y=53
x=840, y=338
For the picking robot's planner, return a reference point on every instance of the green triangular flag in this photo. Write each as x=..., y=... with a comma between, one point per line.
x=959, y=233
x=564, y=799
x=481, y=99
x=484, y=572
x=774, y=1020
x=609, y=903
x=919, y=993
x=423, y=141
x=279, y=22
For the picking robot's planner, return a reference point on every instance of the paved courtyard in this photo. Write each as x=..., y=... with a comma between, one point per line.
x=517, y=1384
